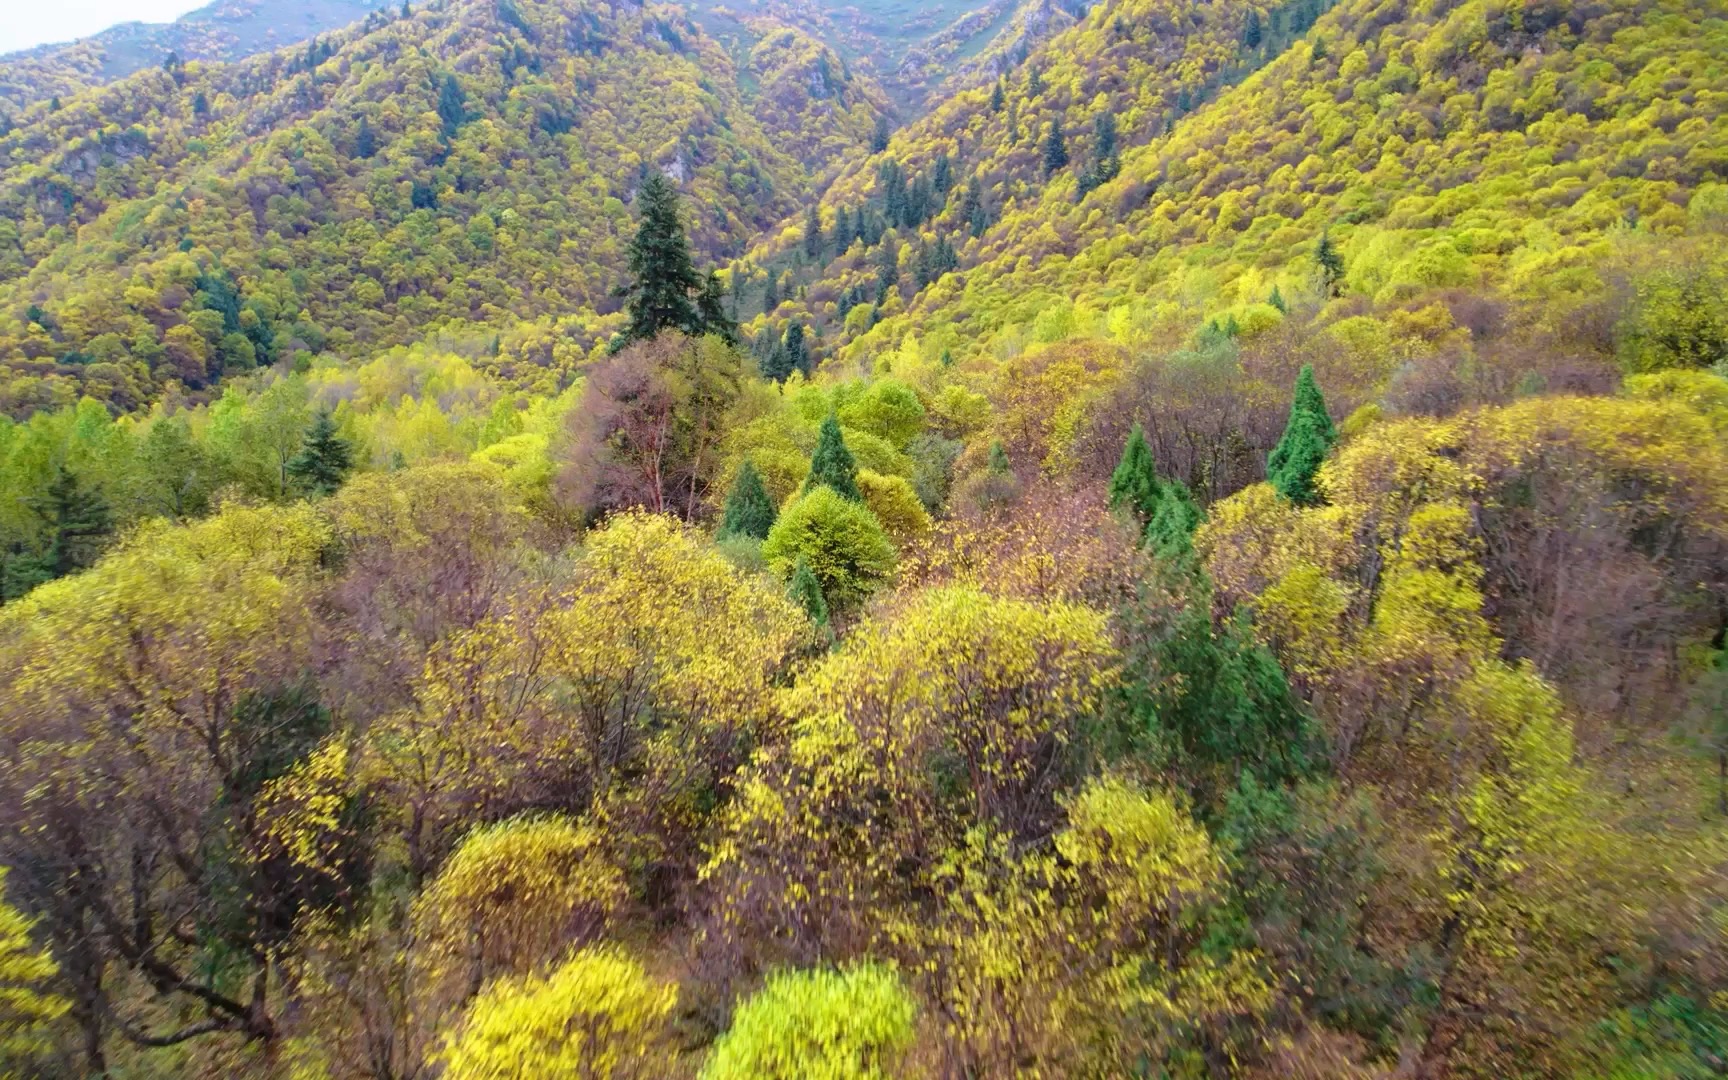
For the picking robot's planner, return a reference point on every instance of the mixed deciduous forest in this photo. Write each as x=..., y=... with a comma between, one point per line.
x=1158, y=538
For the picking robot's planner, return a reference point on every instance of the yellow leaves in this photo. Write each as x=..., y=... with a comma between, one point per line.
x=896, y=506
x=176, y=621
x=654, y=658
x=27, y=1006
x=1143, y=851
x=599, y=1015
x=301, y=811
x=516, y=895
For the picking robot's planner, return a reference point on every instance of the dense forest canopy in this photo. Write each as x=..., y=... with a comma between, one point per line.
x=571, y=538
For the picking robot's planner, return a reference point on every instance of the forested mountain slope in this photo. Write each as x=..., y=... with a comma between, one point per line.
x=1442, y=145
x=1207, y=558
x=227, y=30
x=920, y=52
x=470, y=163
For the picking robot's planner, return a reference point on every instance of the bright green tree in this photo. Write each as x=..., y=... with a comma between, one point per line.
x=1308, y=436
x=833, y=464
x=841, y=540
x=1135, y=482
x=845, y=1025
x=325, y=460
x=749, y=510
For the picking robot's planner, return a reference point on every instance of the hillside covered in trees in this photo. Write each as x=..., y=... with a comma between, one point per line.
x=227, y=30
x=466, y=166
x=555, y=538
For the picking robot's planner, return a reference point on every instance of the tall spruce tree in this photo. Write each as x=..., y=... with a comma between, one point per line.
x=1308, y=436
x=1134, y=484
x=812, y=233
x=1055, y=149
x=325, y=458
x=711, y=310
x=1331, y=264
x=796, y=348
x=832, y=464
x=452, y=105
x=749, y=510
x=663, y=277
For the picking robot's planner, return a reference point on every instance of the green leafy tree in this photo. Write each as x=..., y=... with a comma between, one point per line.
x=846, y=1025
x=1308, y=436
x=806, y=592
x=833, y=465
x=1134, y=484
x=325, y=459
x=749, y=510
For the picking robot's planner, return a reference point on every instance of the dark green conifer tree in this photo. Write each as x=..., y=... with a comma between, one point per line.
x=832, y=464
x=812, y=233
x=806, y=592
x=1277, y=300
x=663, y=277
x=1055, y=149
x=452, y=105
x=1170, y=532
x=998, y=97
x=78, y=524
x=1308, y=436
x=1134, y=484
x=711, y=311
x=1331, y=264
x=795, y=347
x=324, y=460
x=749, y=510
x=1251, y=32
x=879, y=138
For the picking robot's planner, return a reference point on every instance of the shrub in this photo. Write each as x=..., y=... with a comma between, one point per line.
x=598, y=1015
x=841, y=540
x=832, y=1025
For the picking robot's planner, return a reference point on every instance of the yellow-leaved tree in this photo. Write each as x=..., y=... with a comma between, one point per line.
x=150, y=701
x=632, y=688
x=598, y=1016
x=27, y=1004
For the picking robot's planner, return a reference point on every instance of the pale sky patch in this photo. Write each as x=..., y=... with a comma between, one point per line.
x=24, y=23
